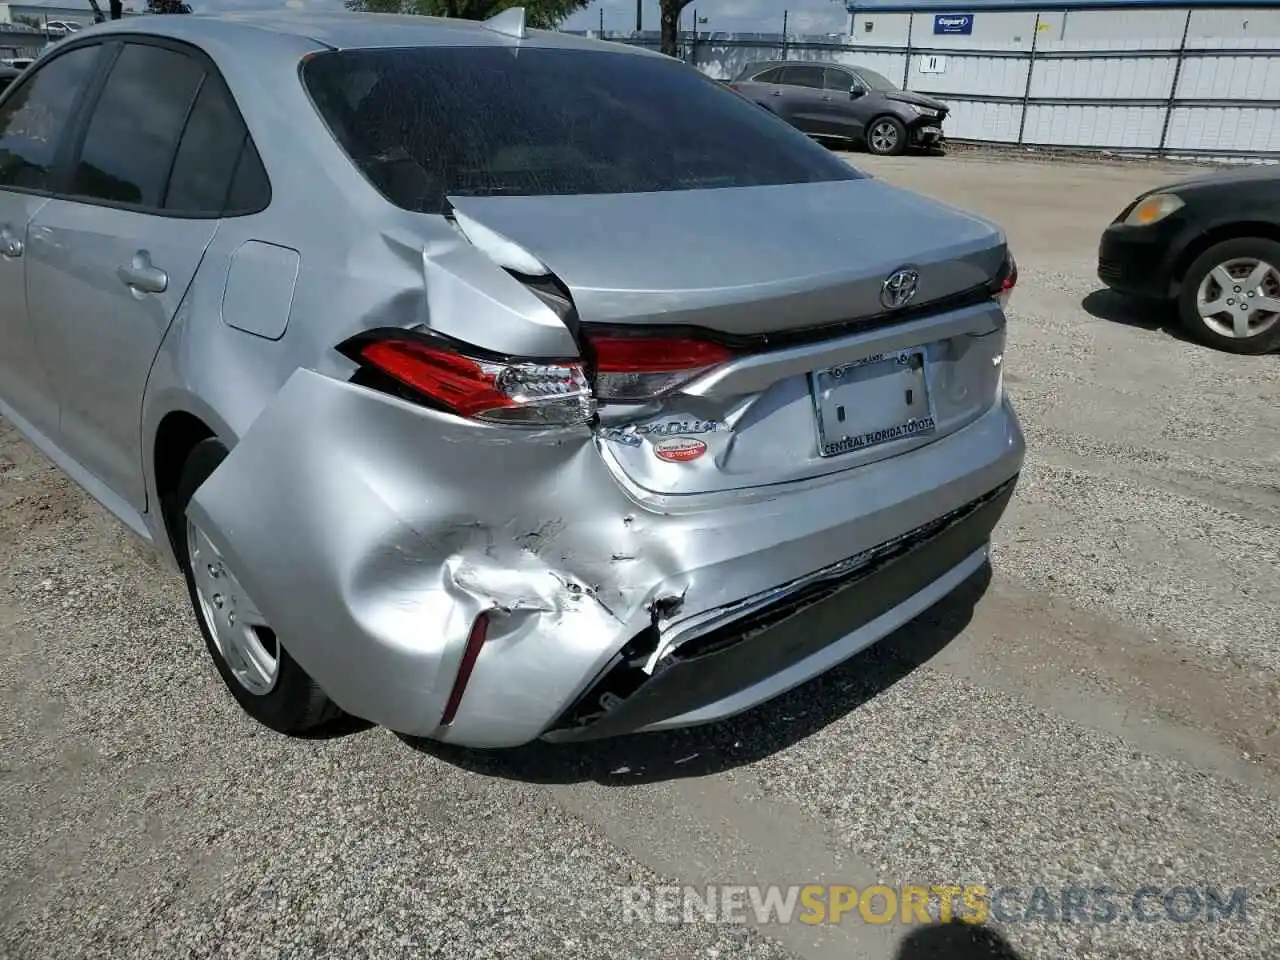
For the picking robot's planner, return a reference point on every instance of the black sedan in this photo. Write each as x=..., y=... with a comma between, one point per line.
x=1212, y=246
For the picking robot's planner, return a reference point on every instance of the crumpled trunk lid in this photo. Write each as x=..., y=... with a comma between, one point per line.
x=748, y=260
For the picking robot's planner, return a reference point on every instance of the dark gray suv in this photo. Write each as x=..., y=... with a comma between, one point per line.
x=848, y=103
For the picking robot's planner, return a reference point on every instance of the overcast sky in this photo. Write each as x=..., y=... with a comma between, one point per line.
x=764, y=16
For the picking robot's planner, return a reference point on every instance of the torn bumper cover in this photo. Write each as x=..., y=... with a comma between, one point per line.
x=372, y=533
x=794, y=634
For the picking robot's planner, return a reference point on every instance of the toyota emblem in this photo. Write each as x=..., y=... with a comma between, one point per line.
x=899, y=288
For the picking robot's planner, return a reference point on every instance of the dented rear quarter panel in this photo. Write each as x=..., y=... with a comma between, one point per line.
x=374, y=531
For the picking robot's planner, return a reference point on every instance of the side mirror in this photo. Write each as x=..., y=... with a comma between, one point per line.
x=855, y=93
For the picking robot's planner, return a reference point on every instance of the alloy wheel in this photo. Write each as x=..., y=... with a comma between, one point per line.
x=884, y=137
x=1240, y=298
x=245, y=641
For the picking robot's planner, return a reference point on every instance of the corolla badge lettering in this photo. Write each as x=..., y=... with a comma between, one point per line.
x=673, y=427
x=679, y=449
x=899, y=288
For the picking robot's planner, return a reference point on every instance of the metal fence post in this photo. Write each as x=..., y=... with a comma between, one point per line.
x=906, y=68
x=1031, y=68
x=1173, y=90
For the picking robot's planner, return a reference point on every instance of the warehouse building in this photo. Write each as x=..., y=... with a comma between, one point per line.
x=1187, y=79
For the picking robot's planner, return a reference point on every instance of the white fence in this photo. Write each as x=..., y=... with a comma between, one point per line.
x=1211, y=99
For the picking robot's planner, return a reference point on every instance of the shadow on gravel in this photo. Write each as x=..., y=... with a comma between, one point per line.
x=955, y=941
x=1143, y=314
x=737, y=741
x=342, y=726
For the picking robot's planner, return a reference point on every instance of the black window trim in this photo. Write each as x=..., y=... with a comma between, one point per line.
x=63, y=168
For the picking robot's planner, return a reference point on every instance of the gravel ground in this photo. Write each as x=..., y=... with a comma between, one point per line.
x=1102, y=713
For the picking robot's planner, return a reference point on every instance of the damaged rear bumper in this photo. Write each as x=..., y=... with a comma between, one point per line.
x=372, y=533
x=794, y=633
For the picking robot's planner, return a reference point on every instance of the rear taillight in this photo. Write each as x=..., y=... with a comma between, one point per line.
x=1005, y=281
x=636, y=369
x=457, y=380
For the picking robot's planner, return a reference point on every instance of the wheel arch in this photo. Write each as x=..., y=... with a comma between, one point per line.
x=176, y=436
x=1235, y=230
x=173, y=430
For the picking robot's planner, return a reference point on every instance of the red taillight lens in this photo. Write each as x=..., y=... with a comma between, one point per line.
x=636, y=369
x=1006, y=281
x=528, y=393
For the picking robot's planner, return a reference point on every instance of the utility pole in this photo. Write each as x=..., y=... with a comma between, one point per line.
x=639, y=19
x=785, y=14
x=602, y=19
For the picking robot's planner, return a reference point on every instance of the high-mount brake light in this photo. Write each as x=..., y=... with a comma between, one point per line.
x=637, y=369
x=516, y=392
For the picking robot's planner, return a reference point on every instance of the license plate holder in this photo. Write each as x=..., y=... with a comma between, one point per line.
x=872, y=401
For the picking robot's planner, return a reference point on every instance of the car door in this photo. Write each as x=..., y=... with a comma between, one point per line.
x=108, y=265
x=847, y=115
x=804, y=99
x=34, y=121
x=760, y=86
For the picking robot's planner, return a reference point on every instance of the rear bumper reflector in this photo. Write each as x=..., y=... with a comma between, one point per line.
x=475, y=640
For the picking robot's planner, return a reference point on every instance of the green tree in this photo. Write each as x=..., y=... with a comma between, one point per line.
x=168, y=6
x=539, y=13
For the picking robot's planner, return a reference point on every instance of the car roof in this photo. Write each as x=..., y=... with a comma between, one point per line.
x=759, y=66
x=339, y=31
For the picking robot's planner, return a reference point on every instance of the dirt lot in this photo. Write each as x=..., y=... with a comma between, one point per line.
x=1104, y=715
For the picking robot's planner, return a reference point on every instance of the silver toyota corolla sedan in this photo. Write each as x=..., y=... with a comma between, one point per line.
x=490, y=384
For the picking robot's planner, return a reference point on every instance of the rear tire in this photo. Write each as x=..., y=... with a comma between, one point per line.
x=1223, y=276
x=282, y=696
x=886, y=136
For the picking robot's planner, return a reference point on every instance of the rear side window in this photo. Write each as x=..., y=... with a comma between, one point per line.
x=132, y=137
x=839, y=80
x=803, y=77
x=213, y=143
x=33, y=121
x=770, y=76
x=425, y=123
x=250, y=190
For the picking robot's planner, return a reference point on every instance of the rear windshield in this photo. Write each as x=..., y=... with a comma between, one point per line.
x=424, y=123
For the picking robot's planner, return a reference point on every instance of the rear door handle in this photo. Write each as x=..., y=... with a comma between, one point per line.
x=10, y=246
x=775, y=93
x=141, y=276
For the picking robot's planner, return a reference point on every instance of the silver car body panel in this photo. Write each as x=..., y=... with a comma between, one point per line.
x=856, y=232
x=326, y=498
x=373, y=531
